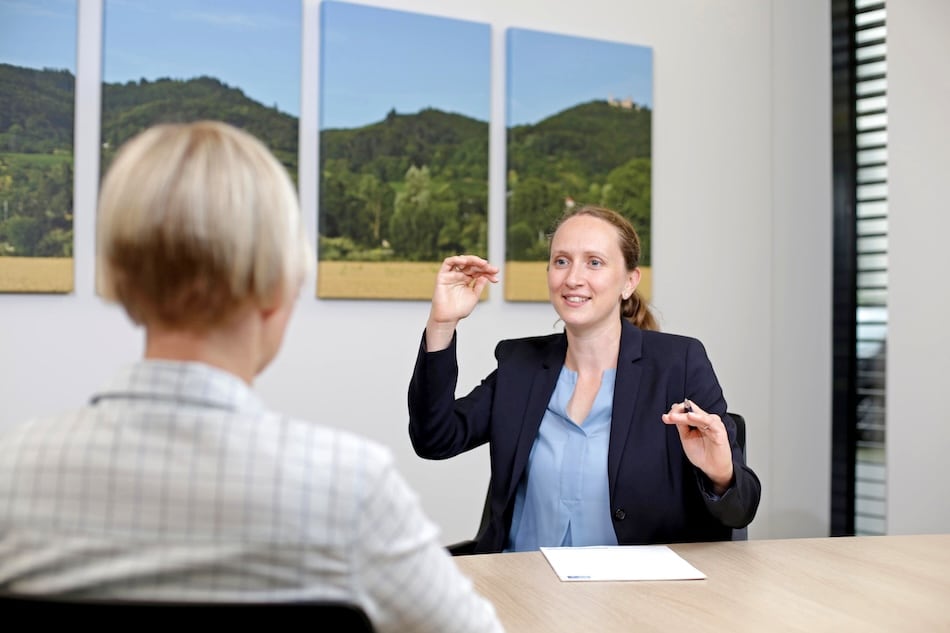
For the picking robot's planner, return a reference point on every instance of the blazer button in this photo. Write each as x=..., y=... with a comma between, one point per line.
x=619, y=514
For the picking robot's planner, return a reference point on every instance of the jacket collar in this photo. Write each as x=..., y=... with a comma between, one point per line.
x=626, y=390
x=539, y=394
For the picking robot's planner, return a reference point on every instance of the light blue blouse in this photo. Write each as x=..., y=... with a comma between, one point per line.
x=563, y=498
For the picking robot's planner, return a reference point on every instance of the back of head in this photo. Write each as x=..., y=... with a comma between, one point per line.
x=634, y=308
x=196, y=220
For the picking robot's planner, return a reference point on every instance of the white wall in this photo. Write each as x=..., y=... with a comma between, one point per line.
x=741, y=246
x=918, y=344
x=801, y=203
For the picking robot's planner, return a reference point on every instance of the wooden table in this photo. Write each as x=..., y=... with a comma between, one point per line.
x=871, y=583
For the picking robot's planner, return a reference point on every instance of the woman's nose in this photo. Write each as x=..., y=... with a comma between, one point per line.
x=575, y=275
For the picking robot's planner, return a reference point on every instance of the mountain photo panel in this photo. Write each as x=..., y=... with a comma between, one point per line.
x=180, y=61
x=403, y=183
x=37, y=97
x=579, y=117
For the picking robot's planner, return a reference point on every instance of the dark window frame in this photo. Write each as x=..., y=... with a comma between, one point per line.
x=850, y=370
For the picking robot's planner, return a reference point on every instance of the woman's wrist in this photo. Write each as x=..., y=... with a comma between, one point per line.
x=722, y=483
x=439, y=334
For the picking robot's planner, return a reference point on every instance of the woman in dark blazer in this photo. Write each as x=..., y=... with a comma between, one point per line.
x=586, y=447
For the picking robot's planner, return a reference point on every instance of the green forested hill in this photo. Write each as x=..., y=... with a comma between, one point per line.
x=36, y=175
x=36, y=129
x=586, y=140
x=446, y=142
x=36, y=110
x=410, y=186
x=592, y=153
x=133, y=106
x=414, y=186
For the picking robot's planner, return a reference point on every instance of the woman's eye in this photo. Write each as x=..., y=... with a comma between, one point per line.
x=560, y=261
x=596, y=263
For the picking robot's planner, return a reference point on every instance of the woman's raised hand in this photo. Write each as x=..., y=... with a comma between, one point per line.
x=458, y=286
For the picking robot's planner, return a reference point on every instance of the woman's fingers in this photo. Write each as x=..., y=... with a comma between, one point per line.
x=688, y=413
x=471, y=266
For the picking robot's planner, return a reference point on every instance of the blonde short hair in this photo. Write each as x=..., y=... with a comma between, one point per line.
x=196, y=220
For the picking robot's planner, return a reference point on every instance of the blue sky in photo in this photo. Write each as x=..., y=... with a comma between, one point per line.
x=38, y=34
x=374, y=60
x=548, y=73
x=246, y=44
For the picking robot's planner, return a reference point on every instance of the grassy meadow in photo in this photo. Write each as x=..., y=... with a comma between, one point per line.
x=527, y=281
x=36, y=274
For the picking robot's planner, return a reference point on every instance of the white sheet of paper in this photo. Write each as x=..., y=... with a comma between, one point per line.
x=623, y=562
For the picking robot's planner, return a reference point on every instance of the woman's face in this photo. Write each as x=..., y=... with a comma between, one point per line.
x=587, y=275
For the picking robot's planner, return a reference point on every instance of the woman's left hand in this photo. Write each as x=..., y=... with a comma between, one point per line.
x=705, y=442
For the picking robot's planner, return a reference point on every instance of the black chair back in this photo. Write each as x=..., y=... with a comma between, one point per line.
x=741, y=534
x=108, y=614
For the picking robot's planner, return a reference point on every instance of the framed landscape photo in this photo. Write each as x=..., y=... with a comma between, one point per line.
x=37, y=96
x=404, y=108
x=176, y=61
x=579, y=132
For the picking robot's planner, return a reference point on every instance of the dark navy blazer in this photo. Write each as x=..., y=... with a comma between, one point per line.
x=656, y=494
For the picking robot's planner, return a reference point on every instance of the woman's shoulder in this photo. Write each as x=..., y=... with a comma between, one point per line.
x=667, y=342
x=529, y=346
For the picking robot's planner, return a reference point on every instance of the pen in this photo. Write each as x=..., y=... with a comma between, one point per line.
x=688, y=408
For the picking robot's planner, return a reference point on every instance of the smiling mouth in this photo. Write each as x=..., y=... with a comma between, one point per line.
x=576, y=301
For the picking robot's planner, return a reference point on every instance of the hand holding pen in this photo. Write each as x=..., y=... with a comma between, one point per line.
x=687, y=413
x=705, y=441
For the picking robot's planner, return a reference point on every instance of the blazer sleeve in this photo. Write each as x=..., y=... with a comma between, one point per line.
x=737, y=506
x=439, y=425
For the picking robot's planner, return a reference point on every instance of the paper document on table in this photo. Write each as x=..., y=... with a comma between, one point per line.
x=623, y=562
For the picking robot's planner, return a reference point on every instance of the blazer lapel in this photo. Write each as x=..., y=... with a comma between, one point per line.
x=542, y=386
x=626, y=389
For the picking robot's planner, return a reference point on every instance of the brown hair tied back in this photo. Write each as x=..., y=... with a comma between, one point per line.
x=633, y=308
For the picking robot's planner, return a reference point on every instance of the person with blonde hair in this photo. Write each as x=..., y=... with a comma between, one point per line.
x=175, y=482
x=608, y=433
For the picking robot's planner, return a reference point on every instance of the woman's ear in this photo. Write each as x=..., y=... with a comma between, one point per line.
x=633, y=280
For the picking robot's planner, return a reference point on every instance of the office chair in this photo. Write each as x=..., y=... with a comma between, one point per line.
x=743, y=533
x=53, y=609
x=464, y=548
